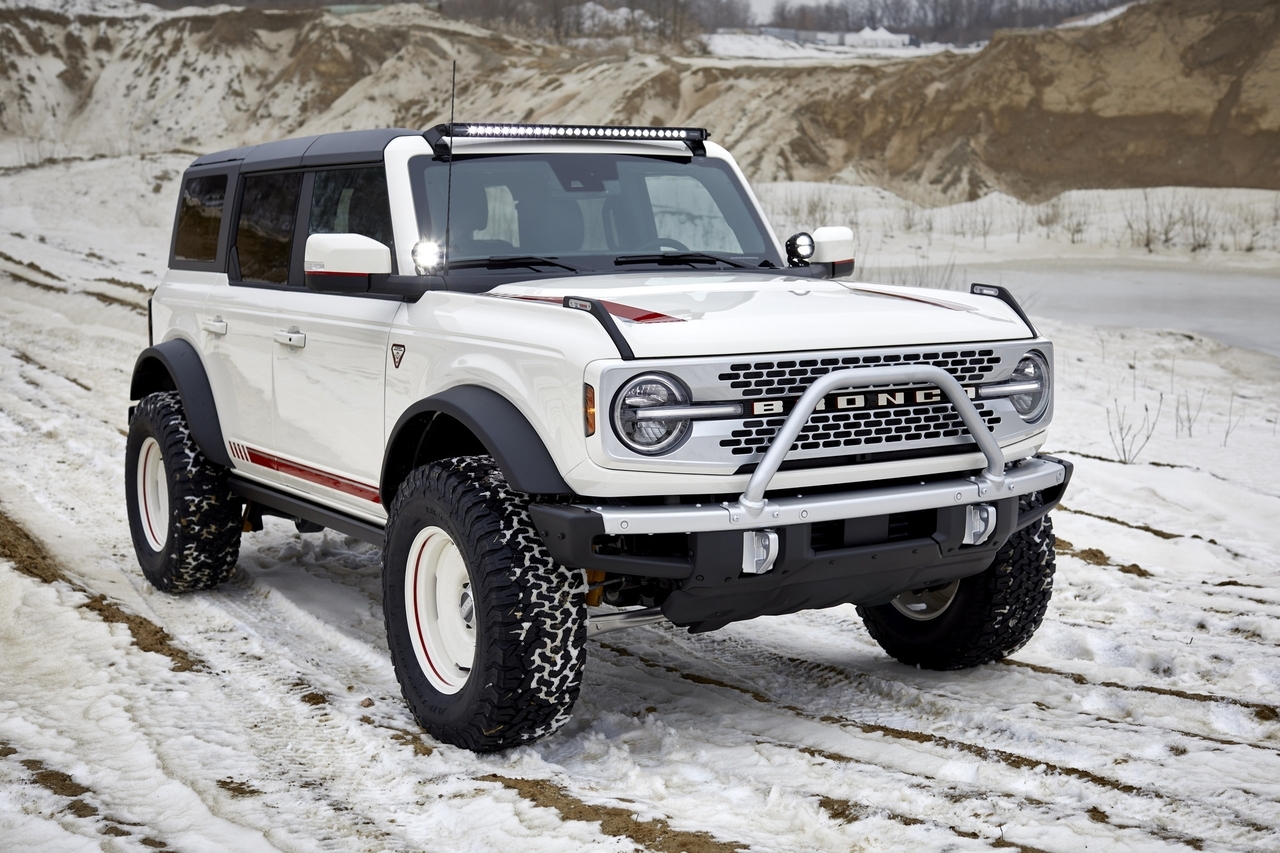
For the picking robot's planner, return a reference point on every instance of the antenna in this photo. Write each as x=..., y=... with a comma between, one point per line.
x=448, y=192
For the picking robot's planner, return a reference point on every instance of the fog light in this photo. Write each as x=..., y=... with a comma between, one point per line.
x=980, y=523
x=427, y=257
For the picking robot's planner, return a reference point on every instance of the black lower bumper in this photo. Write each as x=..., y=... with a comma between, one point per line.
x=862, y=561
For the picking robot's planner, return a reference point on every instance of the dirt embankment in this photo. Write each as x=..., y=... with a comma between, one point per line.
x=1173, y=92
x=1181, y=92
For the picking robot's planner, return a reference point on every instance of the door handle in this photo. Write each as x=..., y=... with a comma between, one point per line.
x=216, y=326
x=291, y=338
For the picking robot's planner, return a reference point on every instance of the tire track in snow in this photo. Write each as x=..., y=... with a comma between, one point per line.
x=655, y=834
x=891, y=770
x=77, y=801
x=1013, y=760
x=1262, y=711
x=31, y=558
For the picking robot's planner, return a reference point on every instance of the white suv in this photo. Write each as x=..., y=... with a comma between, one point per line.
x=570, y=381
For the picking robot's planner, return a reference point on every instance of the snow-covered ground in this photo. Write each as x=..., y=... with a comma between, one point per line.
x=1145, y=714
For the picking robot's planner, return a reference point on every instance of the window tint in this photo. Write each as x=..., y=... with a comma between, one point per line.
x=351, y=201
x=200, y=218
x=264, y=233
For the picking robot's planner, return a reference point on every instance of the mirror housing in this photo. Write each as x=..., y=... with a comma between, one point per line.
x=342, y=263
x=833, y=249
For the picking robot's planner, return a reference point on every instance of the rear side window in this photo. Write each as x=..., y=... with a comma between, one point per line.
x=264, y=232
x=351, y=201
x=200, y=218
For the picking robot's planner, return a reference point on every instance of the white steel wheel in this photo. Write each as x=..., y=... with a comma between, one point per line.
x=440, y=608
x=927, y=604
x=153, y=494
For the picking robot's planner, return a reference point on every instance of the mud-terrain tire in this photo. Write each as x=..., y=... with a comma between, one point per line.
x=183, y=517
x=524, y=613
x=990, y=616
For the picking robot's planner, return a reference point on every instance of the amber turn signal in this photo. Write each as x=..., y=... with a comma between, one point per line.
x=589, y=408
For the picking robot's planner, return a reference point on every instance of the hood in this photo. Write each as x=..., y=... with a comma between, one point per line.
x=698, y=314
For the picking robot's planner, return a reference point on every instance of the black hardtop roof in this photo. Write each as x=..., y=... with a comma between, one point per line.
x=327, y=149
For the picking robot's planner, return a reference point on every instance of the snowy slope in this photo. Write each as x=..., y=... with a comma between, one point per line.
x=1143, y=716
x=1166, y=93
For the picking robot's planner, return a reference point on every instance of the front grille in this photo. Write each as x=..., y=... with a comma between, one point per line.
x=874, y=428
x=878, y=424
x=786, y=377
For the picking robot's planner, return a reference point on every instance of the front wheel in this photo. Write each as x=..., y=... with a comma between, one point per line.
x=486, y=631
x=979, y=619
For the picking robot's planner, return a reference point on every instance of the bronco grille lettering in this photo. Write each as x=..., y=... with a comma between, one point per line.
x=905, y=397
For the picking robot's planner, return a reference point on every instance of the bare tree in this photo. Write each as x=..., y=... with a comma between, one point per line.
x=1128, y=438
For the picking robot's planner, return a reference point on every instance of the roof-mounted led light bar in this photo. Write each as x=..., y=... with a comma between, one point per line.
x=578, y=131
x=691, y=136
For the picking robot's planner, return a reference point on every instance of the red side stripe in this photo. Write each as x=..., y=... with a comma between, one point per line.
x=314, y=475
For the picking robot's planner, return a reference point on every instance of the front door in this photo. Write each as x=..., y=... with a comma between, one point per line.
x=331, y=364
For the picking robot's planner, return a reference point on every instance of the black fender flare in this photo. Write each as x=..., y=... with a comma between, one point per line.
x=178, y=361
x=503, y=430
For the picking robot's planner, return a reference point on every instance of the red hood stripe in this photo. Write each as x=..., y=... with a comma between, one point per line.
x=617, y=309
x=638, y=315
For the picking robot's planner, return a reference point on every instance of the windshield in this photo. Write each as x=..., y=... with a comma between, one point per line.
x=589, y=212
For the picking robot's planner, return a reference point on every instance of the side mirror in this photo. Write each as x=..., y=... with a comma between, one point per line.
x=833, y=246
x=342, y=263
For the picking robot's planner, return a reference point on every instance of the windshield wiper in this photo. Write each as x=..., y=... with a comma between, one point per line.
x=500, y=261
x=676, y=258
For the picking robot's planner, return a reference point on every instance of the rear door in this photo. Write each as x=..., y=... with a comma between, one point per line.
x=329, y=384
x=239, y=322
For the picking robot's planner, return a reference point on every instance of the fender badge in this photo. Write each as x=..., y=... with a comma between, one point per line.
x=397, y=353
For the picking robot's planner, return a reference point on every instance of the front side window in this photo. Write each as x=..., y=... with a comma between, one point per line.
x=199, y=218
x=598, y=212
x=264, y=231
x=351, y=201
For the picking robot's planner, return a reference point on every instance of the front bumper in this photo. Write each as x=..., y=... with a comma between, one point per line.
x=844, y=551
x=818, y=550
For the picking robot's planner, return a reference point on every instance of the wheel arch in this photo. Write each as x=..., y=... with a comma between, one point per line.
x=466, y=420
x=176, y=366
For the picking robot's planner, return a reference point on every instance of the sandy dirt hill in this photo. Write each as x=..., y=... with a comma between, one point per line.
x=1181, y=93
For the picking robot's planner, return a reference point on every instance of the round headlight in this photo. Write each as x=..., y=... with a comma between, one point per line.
x=1032, y=370
x=644, y=433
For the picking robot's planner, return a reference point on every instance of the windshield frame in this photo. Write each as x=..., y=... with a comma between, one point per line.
x=768, y=261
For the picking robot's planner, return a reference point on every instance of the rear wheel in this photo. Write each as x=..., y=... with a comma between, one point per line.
x=486, y=631
x=184, y=519
x=976, y=620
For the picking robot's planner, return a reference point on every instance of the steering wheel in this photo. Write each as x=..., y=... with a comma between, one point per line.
x=658, y=244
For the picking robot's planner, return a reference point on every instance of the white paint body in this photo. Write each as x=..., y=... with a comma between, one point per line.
x=328, y=407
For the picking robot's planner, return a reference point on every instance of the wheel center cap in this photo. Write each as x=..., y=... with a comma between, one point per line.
x=467, y=607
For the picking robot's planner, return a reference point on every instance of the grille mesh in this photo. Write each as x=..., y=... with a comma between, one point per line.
x=787, y=377
x=873, y=428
